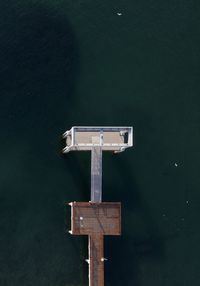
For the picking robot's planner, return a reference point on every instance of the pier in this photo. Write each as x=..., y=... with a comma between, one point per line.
x=96, y=218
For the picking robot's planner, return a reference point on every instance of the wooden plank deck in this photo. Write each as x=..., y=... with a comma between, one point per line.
x=95, y=220
x=96, y=260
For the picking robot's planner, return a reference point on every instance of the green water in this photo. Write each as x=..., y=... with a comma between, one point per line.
x=66, y=63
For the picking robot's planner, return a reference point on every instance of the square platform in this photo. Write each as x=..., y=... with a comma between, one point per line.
x=95, y=218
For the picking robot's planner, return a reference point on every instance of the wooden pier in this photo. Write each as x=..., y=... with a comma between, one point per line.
x=95, y=220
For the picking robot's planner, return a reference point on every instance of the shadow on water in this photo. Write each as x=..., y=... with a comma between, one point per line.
x=39, y=67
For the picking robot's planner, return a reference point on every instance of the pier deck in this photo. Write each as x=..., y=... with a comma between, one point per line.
x=95, y=220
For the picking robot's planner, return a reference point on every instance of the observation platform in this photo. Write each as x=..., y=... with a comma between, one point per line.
x=84, y=138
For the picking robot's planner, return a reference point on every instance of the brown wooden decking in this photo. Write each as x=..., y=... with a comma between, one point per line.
x=95, y=220
x=96, y=260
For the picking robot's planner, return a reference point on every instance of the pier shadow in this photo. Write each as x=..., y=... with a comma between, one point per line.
x=39, y=58
x=39, y=68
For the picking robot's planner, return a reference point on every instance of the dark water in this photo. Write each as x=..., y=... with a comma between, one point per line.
x=65, y=63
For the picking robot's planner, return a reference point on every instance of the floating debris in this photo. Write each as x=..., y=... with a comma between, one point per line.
x=175, y=164
x=119, y=14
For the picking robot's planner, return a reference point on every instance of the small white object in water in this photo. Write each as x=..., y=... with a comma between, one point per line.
x=175, y=164
x=81, y=218
x=187, y=202
x=104, y=259
x=119, y=14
